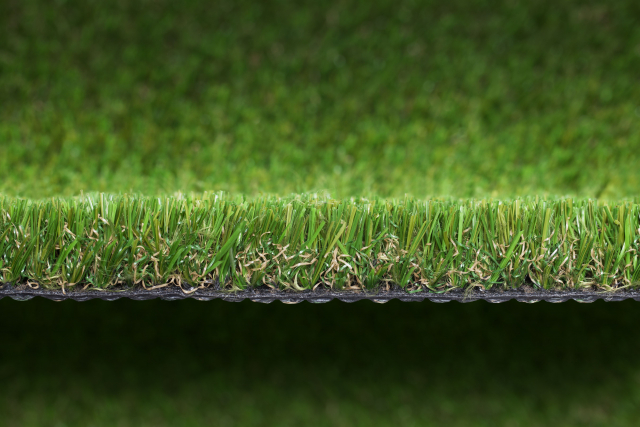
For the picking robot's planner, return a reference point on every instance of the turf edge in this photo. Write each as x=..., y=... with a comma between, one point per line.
x=524, y=294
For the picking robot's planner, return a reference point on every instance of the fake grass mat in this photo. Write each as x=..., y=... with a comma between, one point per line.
x=314, y=244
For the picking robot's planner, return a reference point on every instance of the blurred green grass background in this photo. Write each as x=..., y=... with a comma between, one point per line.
x=192, y=363
x=465, y=98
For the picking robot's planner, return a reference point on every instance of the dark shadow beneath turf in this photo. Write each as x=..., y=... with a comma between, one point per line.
x=216, y=363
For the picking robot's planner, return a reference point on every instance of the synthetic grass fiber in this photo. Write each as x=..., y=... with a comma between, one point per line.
x=303, y=242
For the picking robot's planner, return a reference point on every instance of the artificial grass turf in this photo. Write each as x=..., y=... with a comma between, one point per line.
x=467, y=98
x=306, y=241
x=459, y=98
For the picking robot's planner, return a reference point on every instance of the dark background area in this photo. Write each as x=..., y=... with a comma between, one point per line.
x=218, y=363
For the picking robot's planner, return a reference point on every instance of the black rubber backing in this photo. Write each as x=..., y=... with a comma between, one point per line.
x=529, y=295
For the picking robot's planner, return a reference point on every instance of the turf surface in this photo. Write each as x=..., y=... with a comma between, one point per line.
x=459, y=98
x=191, y=363
x=303, y=242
